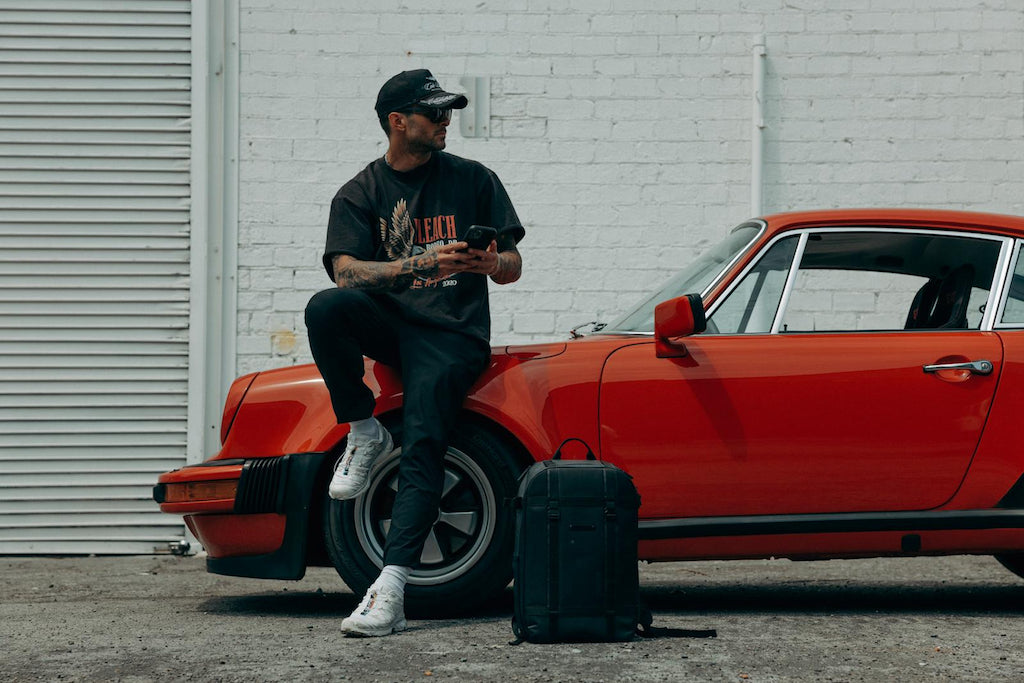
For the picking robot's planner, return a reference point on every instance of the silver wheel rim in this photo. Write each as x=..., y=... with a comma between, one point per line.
x=459, y=537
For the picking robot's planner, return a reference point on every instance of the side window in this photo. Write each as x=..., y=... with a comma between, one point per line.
x=885, y=281
x=750, y=307
x=1013, y=311
x=832, y=301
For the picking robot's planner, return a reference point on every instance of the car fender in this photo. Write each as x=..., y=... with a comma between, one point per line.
x=539, y=394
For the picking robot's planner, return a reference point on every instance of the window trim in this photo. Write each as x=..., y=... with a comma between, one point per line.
x=762, y=227
x=787, y=289
x=987, y=321
x=754, y=261
x=1004, y=288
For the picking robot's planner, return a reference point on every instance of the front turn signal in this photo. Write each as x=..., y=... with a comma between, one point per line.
x=188, y=492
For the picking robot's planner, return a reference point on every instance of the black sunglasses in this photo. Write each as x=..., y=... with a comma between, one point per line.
x=435, y=115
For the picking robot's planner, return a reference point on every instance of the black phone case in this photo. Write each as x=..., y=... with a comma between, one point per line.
x=479, y=237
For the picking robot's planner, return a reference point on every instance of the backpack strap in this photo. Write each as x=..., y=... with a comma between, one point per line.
x=554, y=521
x=517, y=630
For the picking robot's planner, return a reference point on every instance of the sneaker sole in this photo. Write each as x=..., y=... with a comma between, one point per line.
x=389, y=445
x=348, y=496
x=374, y=633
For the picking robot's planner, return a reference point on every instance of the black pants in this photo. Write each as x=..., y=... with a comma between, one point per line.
x=437, y=367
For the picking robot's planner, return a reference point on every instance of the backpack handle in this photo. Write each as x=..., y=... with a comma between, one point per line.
x=558, y=451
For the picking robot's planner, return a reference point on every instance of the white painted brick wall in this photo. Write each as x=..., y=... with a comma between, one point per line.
x=621, y=129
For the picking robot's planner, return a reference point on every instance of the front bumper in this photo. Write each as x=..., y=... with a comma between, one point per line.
x=260, y=529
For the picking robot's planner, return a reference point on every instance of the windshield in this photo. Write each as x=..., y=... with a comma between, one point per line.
x=694, y=278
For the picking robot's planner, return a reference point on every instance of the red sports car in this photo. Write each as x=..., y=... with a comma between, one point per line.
x=818, y=385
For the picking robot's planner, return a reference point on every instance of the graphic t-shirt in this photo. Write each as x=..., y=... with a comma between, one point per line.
x=386, y=215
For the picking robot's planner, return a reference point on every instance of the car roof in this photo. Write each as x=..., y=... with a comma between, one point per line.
x=939, y=219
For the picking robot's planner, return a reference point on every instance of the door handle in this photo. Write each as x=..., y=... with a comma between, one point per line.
x=976, y=367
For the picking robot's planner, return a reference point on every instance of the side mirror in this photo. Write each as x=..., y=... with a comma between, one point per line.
x=676, y=318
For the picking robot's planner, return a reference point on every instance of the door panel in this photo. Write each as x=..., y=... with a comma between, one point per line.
x=800, y=423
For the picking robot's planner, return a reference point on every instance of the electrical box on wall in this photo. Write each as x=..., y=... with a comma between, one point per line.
x=475, y=119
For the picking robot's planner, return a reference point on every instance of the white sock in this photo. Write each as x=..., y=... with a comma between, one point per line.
x=393, y=577
x=365, y=429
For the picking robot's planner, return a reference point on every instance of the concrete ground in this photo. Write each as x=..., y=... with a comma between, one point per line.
x=164, y=618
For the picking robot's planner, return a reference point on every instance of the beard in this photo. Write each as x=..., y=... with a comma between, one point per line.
x=426, y=146
x=426, y=139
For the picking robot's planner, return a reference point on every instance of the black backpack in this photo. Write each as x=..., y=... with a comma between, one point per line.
x=575, y=561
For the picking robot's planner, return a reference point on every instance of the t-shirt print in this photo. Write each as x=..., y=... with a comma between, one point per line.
x=397, y=236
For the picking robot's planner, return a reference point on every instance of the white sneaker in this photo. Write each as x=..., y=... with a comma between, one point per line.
x=351, y=474
x=381, y=613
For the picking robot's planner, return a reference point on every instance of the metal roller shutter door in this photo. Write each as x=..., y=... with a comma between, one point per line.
x=94, y=271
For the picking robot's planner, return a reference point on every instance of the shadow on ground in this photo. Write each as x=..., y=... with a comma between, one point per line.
x=305, y=604
x=817, y=597
x=283, y=604
x=779, y=598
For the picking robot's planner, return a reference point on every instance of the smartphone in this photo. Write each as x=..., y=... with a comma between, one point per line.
x=479, y=236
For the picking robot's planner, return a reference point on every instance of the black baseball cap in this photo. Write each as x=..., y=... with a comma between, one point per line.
x=417, y=87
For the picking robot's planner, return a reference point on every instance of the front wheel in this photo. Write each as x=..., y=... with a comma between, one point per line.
x=467, y=558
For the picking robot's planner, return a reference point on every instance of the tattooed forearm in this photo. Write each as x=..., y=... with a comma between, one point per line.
x=368, y=275
x=383, y=275
x=509, y=268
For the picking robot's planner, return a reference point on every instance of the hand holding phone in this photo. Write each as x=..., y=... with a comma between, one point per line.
x=479, y=236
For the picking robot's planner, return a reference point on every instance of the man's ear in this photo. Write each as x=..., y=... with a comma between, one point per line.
x=396, y=120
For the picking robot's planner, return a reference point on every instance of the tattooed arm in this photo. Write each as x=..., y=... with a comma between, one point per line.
x=382, y=275
x=508, y=267
x=439, y=262
x=395, y=275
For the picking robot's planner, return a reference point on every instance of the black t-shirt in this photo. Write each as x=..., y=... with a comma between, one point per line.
x=385, y=215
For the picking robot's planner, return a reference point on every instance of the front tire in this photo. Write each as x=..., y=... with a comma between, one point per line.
x=467, y=559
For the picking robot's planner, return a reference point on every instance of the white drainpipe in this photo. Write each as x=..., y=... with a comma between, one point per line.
x=757, y=133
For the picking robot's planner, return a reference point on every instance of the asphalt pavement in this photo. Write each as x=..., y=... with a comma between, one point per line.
x=163, y=618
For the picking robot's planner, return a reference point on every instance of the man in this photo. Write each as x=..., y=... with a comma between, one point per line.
x=410, y=294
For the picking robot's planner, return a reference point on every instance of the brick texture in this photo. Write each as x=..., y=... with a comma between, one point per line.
x=621, y=129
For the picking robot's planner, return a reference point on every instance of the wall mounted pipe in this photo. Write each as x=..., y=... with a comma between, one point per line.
x=757, y=130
